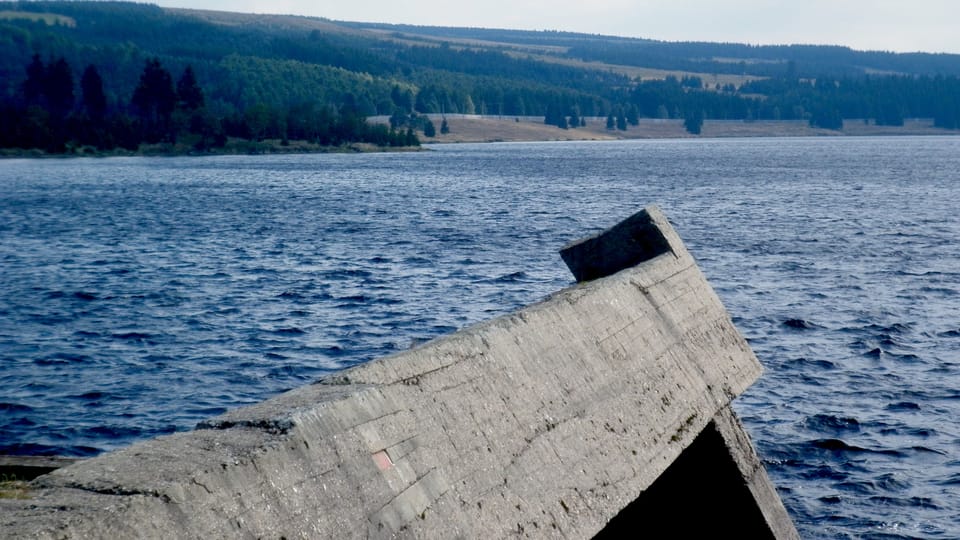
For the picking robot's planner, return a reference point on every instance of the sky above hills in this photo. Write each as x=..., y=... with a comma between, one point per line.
x=890, y=25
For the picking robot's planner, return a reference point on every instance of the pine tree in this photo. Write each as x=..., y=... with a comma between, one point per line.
x=399, y=118
x=189, y=94
x=693, y=122
x=154, y=100
x=93, y=99
x=827, y=117
x=552, y=116
x=402, y=99
x=410, y=138
x=33, y=87
x=58, y=88
x=154, y=96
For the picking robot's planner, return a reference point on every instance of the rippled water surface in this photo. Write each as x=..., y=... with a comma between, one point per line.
x=139, y=296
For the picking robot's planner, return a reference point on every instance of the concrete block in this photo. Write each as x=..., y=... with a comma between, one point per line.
x=550, y=421
x=634, y=240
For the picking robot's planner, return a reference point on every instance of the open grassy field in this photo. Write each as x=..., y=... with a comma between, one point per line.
x=49, y=18
x=645, y=74
x=552, y=54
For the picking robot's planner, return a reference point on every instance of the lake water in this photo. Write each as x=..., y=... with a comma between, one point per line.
x=140, y=295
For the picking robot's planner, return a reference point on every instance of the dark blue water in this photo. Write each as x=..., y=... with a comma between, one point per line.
x=138, y=296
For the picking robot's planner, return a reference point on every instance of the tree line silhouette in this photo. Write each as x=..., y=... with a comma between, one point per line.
x=301, y=79
x=823, y=102
x=47, y=114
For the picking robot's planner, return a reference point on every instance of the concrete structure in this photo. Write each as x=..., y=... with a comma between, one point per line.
x=553, y=421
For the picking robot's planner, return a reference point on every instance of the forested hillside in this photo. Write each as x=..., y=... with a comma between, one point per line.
x=108, y=74
x=709, y=58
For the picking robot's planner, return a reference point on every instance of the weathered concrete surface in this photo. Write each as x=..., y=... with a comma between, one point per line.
x=545, y=422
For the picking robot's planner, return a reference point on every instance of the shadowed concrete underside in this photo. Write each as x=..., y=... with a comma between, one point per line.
x=553, y=421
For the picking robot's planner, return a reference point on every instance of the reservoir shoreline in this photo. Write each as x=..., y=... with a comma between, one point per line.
x=478, y=128
x=470, y=128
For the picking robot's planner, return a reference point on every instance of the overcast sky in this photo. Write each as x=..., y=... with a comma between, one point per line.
x=892, y=25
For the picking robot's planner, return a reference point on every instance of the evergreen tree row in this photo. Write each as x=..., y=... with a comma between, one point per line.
x=301, y=78
x=47, y=114
x=824, y=102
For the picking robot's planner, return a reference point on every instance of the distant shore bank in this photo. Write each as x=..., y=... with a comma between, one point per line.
x=477, y=128
x=235, y=147
x=482, y=129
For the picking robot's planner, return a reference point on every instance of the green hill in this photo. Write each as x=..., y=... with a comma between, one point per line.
x=290, y=77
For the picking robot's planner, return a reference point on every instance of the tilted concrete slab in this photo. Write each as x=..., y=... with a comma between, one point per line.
x=547, y=422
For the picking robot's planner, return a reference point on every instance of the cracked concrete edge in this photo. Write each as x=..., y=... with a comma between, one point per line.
x=743, y=453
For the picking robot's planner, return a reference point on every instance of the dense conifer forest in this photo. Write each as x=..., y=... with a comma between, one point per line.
x=105, y=75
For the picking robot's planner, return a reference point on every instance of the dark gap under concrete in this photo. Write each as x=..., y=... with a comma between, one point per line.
x=701, y=495
x=25, y=468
